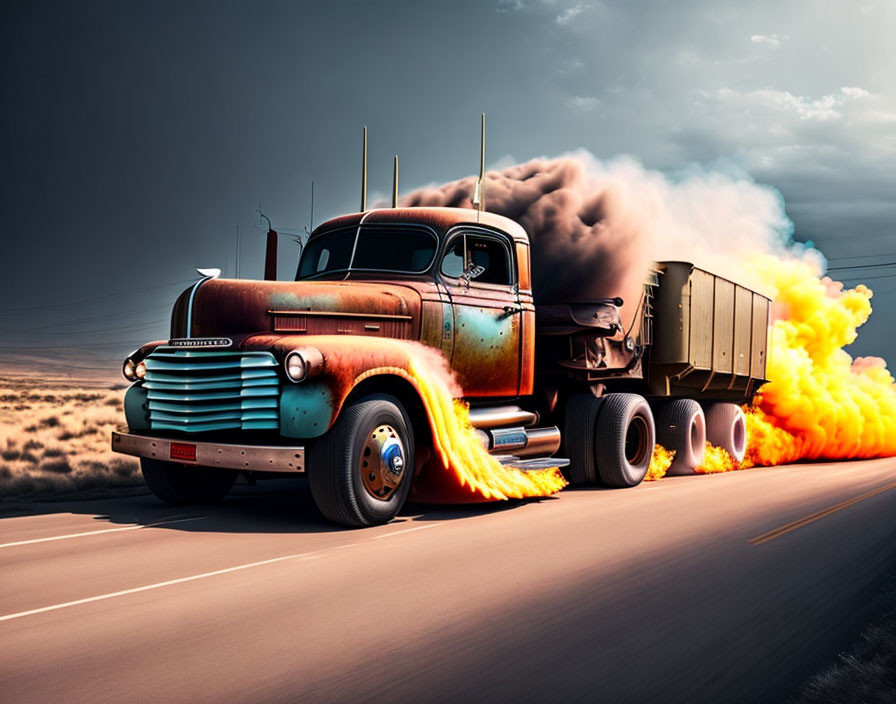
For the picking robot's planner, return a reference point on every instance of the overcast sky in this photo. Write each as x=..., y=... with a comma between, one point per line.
x=137, y=137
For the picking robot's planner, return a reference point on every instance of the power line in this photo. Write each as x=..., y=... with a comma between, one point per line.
x=861, y=266
x=72, y=333
x=110, y=365
x=862, y=279
x=859, y=256
x=90, y=319
x=50, y=347
x=119, y=294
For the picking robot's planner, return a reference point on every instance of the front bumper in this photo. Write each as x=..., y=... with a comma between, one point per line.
x=255, y=458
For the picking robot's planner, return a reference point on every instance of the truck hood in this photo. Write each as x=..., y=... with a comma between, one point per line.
x=230, y=307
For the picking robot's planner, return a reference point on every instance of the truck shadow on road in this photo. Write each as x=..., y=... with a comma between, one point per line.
x=273, y=507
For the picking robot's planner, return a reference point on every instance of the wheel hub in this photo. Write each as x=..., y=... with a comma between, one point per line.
x=382, y=462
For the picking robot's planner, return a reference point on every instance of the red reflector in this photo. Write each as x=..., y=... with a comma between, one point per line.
x=183, y=452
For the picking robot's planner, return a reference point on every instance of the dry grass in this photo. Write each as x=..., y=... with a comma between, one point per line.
x=868, y=673
x=54, y=439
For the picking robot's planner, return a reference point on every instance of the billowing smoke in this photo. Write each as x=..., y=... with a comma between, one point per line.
x=590, y=234
x=596, y=226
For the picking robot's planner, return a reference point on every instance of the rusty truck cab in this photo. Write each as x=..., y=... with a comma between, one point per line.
x=471, y=271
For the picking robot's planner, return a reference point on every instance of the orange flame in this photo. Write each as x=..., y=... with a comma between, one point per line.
x=464, y=456
x=659, y=463
x=832, y=406
x=715, y=460
x=819, y=402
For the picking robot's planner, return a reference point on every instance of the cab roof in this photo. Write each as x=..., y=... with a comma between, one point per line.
x=439, y=219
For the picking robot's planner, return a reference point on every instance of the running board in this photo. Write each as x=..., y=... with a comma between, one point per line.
x=533, y=464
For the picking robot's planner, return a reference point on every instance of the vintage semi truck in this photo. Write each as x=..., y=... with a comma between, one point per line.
x=311, y=376
x=320, y=375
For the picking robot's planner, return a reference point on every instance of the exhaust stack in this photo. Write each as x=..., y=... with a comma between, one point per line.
x=364, y=173
x=395, y=183
x=270, y=256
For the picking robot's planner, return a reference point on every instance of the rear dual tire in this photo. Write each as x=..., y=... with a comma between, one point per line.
x=726, y=427
x=685, y=427
x=609, y=439
x=681, y=427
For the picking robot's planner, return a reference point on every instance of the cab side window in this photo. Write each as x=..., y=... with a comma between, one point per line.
x=472, y=250
x=492, y=256
x=453, y=263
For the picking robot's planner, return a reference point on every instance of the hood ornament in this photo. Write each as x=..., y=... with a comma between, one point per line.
x=207, y=275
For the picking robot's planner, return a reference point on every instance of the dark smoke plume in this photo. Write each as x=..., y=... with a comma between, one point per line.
x=587, y=240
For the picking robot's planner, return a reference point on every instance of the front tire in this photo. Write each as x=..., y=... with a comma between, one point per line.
x=360, y=472
x=176, y=483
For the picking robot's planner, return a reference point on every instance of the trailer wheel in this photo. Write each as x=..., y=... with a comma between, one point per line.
x=578, y=437
x=177, y=483
x=624, y=441
x=726, y=427
x=681, y=426
x=360, y=471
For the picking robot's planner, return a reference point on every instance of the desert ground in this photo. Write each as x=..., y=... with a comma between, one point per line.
x=54, y=439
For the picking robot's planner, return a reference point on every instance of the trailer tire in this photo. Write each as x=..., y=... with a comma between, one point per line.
x=624, y=440
x=176, y=483
x=579, y=425
x=353, y=472
x=681, y=426
x=726, y=427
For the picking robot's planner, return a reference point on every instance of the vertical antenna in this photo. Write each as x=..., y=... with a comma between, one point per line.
x=482, y=166
x=364, y=174
x=395, y=183
x=237, y=251
x=311, y=224
x=479, y=192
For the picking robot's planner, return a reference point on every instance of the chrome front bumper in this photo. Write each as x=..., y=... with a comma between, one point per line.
x=256, y=458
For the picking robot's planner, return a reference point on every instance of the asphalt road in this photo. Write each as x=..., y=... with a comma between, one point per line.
x=690, y=589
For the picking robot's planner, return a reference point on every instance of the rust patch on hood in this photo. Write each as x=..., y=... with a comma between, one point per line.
x=233, y=307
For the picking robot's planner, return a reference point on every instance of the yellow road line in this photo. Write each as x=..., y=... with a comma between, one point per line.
x=818, y=515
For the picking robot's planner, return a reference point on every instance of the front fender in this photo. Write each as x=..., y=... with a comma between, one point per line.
x=309, y=408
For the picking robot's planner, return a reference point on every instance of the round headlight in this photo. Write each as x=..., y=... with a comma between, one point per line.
x=140, y=370
x=295, y=367
x=128, y=370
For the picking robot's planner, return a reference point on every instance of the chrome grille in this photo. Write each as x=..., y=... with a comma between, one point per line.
x=201, y=390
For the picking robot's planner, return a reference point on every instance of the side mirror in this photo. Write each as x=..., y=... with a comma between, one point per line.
x=472, y=272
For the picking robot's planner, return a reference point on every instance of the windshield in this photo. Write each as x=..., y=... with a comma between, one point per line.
x=406, y=250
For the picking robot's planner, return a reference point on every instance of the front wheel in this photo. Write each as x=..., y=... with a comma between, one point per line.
x=186, y=484
x=360, y=472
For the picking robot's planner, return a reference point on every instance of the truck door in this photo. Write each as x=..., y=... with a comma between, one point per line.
x=479, y=273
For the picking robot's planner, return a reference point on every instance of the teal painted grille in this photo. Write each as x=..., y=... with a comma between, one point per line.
x=200, y=390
